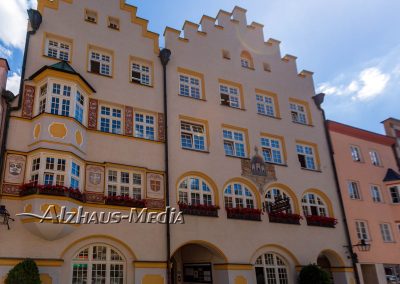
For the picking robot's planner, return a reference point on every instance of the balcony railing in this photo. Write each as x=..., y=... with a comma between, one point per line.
x=285, y=218
x=199, y=210
x=244, y=213
x=321, y=221
x=52, y=190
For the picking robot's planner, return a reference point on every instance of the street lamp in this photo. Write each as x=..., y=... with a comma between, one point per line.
x=363, y=246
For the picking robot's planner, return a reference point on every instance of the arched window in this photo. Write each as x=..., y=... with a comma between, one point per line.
x=246, y=60
x=194, y=191
x=98, y=263
x=313, y=205
x=275, y=193
x=271, y=269
x=237, y=195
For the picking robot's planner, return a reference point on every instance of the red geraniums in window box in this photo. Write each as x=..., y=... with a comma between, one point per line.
x=125, y=201
x=199, y=209
x=321, y=221
x=54, y=190
x=244, y=213
x=286, y=218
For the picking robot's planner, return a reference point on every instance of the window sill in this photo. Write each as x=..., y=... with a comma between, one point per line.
x=139, y=84
x=194, y=150
x=55, y=58
x=299, y=123
x=188, y=97
x=237, y=157
x=311, y=170
x=276, y=164
x=99, y=74
x=269, y=116
x=232, y=107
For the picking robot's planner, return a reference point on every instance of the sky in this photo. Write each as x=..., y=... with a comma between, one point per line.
x=353, y=47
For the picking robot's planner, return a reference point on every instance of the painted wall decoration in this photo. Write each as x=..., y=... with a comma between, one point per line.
x=27, y=105
x=94, y=178
x=155, y=186
x=92, y=116
x=11, y=189
x=15, y=169
x=129, y=121
x=161, y=127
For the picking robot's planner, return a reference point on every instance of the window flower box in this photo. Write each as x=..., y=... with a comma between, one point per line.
x=199, y=210
x=125, y=201
x=321, y=221
x=53, y=190
x=244, y=213
x=28, y=189
x=285, y=218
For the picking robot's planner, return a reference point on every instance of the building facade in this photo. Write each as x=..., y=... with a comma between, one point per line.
x=249, y=163
x=4, y=101
x=392, y=129
x=370, y=186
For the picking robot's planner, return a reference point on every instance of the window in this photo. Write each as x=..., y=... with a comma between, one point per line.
x=354, y=191
x=386, y=232
x=230, y=96
x=306, y=155
x=43, y=98
x=113, y=23
x=271, y=269
x=355, y=153
x=274, y=193
x=59, y=49
x=98, y=263
x=237, y=195
x=226, y=54
x=141, y=73
x=100, y=62
x=234, y=143
x=395, y=194
x=376, y=194
x=375, y=160
x=79, y=106
x=190, y=86
x=91, y=16
x=299, y=113
x=195, y=191
x=60, y=99
x=265, y=105
x=362, y=230
x=124, y=183
x=246, y=60
x=110, y=119
x=267, y=67
x=144, y=126
x=193, y=136
x=313, y=205
x=75, y=174
x=272, y=150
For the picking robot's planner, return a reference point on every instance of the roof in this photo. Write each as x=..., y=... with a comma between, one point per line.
x=360, y=133
x=64, y=67
x=391, y=175
x=391, y=119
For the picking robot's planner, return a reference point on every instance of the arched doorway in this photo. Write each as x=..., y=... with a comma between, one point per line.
x=194, y=262
x=325, y=264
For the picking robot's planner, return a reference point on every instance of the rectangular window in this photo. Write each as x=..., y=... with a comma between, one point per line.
x=42, y=99
x=189, y=86
x=234, y=143
x=265, y=105
x=113, y=23
x=124, y=183
x=91, y=16
x=141, y=74
x=144, y=126
x=100, y=62
x=60, y=100
x=110, y=120
x=79, y=106
x=395, y=194
x=362, y=230
x=354, y=191
x=376, y=194
x=306, y=156
x=386, y=232
x=272, y=150
x=75, y=175
x=299, y=113
x=58, y=49
x=230, y=96
x=193, y=136
x=355, y=153
x=375, y=160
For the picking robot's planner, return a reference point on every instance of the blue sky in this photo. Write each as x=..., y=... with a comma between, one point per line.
x=353, y=47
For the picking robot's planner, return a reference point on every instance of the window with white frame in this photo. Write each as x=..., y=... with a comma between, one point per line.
x=75, y=174
x=271, y=268
x=395, y=194
x=60, y=99
x=362, y=230
x=306, y=155
x=299, y=113
x=375, y=160
x=193, y=190
x=313, y=205
x=110, y=119
x=230, y=96
x=237, y=195
x=55, y=172
x=272, y=150
x=376, y=194
x=58, y=49
x=43, y=98
x=354, y=190
x=276, y=193
x=189, y=86
x=79, y=106
x=125, y=183
x=193, y=136
x=145, y=126
x=100, y=62
x=98, y=263
x=265, y=105
x=355, y=153
x=234, y=143
x=386, y=232
x=141, y=73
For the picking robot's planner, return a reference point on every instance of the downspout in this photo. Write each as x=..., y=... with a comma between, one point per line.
x=35, y=20
x=319, y=99
x=165, y=55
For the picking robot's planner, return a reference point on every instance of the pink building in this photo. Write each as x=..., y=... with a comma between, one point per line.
x=4, y=68
x=370, y=187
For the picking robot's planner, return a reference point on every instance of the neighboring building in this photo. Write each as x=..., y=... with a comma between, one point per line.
x=4, y=68
x=90, y=133
x=392, y=129
x=370, y=187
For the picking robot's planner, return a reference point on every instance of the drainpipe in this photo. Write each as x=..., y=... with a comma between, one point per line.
x=35, y=20
x=165, y=55
x=318, y=100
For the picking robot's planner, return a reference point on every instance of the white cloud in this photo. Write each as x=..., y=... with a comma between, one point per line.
x=5, y=52
x=13, y=82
